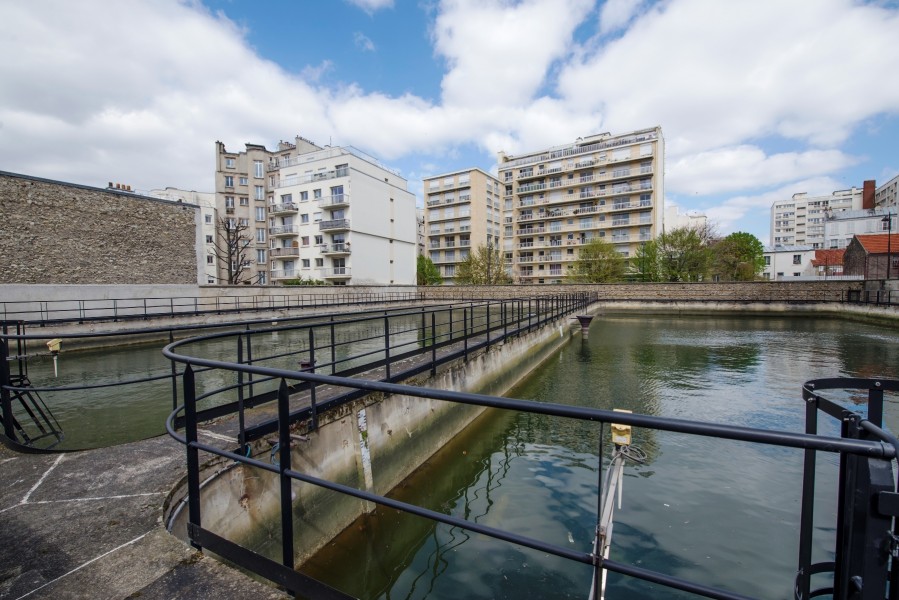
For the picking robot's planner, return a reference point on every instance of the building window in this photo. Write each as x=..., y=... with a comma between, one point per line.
x=260, y=213
x=304, y=240
x=260, y=235
x=229, y=162
x=208, y=239
x=304, y=196
x=767, y=261
x=316, y=194
x=244, y=201
x=229, y=181
x=208, y=219
x=318, y=216
x=260, y=257
x=304, y=218
x=286, y=198
x=260, y=192
x=229, y=201
x=305, y=262
x=797, y=259
x=243, y=181
x=319, y=262
x=262, y=277
x=244, y=222
x=210, y=260
x=319, y=240
x=257, y=169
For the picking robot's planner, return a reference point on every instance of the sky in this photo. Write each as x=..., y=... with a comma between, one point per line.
x=757, y=99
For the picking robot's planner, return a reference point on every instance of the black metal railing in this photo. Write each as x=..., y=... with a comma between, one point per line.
x=52, y=312
x=866, y=452
x=874, y=297
x=338, y=344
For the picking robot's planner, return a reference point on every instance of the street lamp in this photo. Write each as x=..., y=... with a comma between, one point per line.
x=888, y=219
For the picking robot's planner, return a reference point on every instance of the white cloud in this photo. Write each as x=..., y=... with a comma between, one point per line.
x=363, y=42
x=615, y=14
x=371, y=6
x=729, y=215
x=746, y=167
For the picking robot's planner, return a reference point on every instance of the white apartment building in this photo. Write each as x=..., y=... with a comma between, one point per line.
x=462, y=212
x=207, y=267
x=887, y=195
x=691, y=219
x=333, y=214
x=800, y=220
x=788, y=262
x=841, y=226
x=557, y=199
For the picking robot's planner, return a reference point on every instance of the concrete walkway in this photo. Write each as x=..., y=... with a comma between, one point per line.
x=89, y=525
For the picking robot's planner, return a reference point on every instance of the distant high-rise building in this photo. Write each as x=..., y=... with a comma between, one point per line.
x=800, y=220
x=557, y=199
x=462, y=211
x=325, y=213
x=887, y=195
x=692, y=219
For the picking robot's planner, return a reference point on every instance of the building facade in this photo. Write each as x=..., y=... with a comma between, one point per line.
x=323, y=213
x=207, y=268
x=800, y=220
x=462, y=212
x=841, y=226
x=788, y=262
x=872, y=256
x=887, y=195
x=692, y=219
x=558, y=199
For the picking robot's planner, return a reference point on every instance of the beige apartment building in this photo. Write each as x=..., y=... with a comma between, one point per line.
x=801, y=219
x=558, y=199
x=332, y=214
x=462, y=211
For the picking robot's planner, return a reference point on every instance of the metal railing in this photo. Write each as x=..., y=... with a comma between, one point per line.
x=875, y=297
x=868, y=498
x=55, y=312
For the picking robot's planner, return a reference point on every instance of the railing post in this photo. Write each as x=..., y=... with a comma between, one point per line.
x=465, y=333
x=249, y=360
x=333, y=348
x=193, y=453
x=312, y=386
x=597, y=569
x=387, y=347
x=5, y=380
x=806, y=516
x=174, y=376
x=241, y=435
x=284, y=465
x=433, y=343
x=488, y=323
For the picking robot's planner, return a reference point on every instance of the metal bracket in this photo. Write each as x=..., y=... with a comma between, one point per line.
x=888, y=504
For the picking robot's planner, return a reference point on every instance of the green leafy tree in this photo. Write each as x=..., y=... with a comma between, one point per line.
x=684, y=254
x=483, y=266
x=645, y=264
x=598, y=262
x=427, y=272
x=739, y=257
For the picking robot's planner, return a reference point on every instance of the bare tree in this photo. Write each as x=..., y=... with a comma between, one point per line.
x=230, y=251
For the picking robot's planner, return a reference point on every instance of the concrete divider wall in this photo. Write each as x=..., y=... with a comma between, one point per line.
x=372, y=444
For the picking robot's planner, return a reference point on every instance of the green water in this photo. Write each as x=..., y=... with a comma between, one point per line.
x=721, y=513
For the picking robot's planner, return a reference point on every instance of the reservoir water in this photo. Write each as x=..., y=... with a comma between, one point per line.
x=721, y=513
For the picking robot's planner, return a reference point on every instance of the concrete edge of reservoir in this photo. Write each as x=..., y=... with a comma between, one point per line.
x=372, y=444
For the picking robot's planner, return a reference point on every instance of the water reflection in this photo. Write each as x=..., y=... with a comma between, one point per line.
x=723, y=513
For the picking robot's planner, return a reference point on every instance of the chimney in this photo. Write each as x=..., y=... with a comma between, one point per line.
x=868, y=193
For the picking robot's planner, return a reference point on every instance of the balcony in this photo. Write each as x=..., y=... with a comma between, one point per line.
x=336, y=273
x=307, y=178
x=284, y=230
x=530, y=231
x=434, y=202
x=525, y=259
x=333, y=249
x=532, y=187
x=620, y=222
x=335, y=201
x=285, y=274
x=465, y=243
x=334, y=225
x=293, y=252
x=288, y=207
x=434, y=245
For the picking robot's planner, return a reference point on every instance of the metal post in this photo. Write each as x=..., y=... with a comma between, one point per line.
x=241, y=435
x=465, y=333
x=433, y=343
x=284, y=465
x=333, y=348
x=193, y=453
x=249, y=361
x=312, y=384
x=806, y=522
x=174, y=376
x=597, y=571
x=5, y=381
x=488, y=323
x=387, y=347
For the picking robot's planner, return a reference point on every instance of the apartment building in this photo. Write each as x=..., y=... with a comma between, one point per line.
x=800, y=220
x=691, y=219
x=207, y=267
x=558, y=199
x=788, y=262
x=326, y=213
x=462, y=211
x=841, y=226
x=887, y=195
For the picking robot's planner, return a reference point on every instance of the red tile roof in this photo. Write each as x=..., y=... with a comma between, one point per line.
x=876, y=243
x=828, y=258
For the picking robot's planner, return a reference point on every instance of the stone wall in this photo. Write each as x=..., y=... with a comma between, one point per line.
x=752, y=291
x=60, y=233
